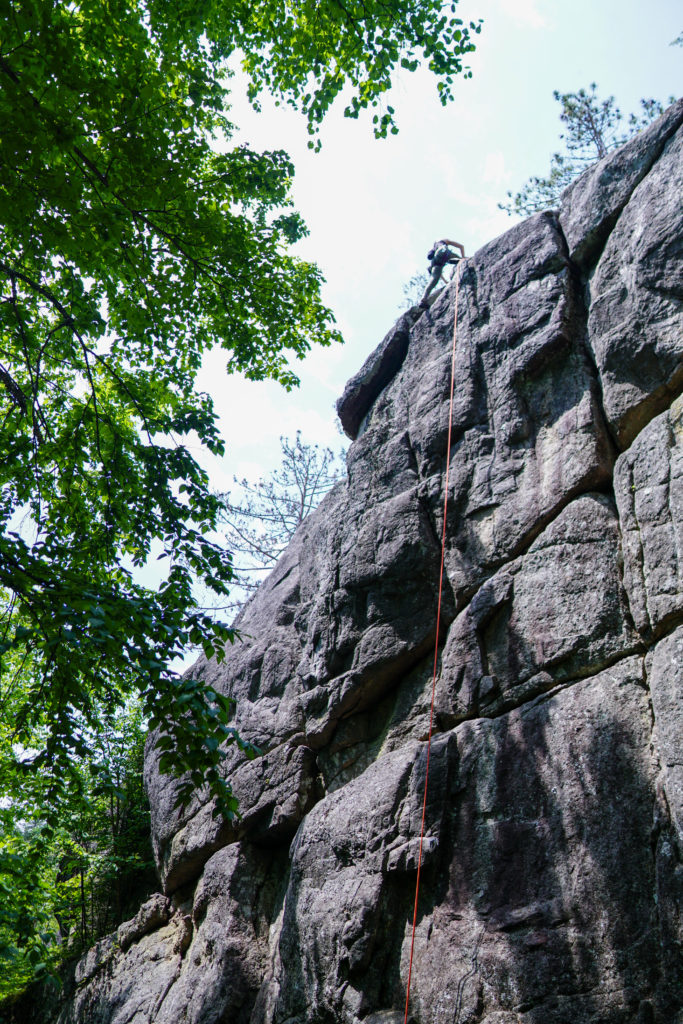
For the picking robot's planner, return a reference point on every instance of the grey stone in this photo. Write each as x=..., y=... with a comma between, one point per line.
x=541, y=810
x=635, y=323
x=263, y=679
x=592, y=204
x=274, y=793
x=303, y=673
x=151, y=915
x=665, y=676
x=340, y=927
x=194, y=968
x=548, y=877
x=222, y=969
x=351, y=607
x=378, y=369
x=556, y=613
x=130, y=986
x=648, y=484
x=96, y=959
x=528, y=433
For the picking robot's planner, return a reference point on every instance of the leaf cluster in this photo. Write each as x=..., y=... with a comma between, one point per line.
x=309, y=52
x=65, y=885
x=127, y=248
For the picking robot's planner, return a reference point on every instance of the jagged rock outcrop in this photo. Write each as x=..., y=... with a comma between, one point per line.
x=553, y=861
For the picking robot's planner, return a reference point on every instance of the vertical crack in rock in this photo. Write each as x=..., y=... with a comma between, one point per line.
x=582, y=297
x=648, y=482
x=541, y=619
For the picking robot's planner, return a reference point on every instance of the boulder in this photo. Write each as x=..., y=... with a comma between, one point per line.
x=378, y=369
x=151, y=915
x=556, y=613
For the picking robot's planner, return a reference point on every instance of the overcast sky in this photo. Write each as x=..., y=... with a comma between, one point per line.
x=374, y=207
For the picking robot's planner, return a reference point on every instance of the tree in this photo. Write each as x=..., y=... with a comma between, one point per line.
x=593, y=128
x=128, y=247
x=65, y=887
x=258, y=524
x=413, y=289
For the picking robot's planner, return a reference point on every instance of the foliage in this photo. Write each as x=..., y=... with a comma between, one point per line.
x=413, y=290
x=259, y=523
x=326, y=45
x=128, y=247
x=593, y=128
x=63, y=888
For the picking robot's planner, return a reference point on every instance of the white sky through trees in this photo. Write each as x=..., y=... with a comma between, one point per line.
x=374, y=207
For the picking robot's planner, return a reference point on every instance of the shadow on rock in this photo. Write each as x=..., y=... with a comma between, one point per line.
x=547, y=912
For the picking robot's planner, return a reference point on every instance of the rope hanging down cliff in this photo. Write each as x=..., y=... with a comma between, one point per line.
x=438, y=626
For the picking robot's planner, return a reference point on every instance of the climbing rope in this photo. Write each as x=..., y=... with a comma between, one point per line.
x=436, y=642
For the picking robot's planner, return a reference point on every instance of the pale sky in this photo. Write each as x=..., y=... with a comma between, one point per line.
x=373, y=207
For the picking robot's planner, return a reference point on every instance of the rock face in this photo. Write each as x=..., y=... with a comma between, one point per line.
x=552, y=873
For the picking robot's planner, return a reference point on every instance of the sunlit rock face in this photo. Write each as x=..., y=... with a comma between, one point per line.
x=552, y=876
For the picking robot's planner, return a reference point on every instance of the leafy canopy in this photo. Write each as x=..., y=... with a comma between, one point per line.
x=128, y=246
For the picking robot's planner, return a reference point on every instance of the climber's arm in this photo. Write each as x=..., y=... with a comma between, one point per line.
x=454, y=245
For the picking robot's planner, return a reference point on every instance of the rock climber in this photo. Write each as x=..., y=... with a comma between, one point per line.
x=439, y=256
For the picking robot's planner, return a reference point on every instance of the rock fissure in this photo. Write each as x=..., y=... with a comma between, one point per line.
x=573, y=680
x=160, y=1001
x=583, y=307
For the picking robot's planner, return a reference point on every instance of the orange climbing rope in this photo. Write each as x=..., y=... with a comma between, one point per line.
x=436, y=642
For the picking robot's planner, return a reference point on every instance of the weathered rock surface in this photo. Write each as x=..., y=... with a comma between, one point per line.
x=541, y=620
x=380, y=367
x=636, y=292
x=151, y=915
x=591, y=205
x=552, y=872
x=648, y=484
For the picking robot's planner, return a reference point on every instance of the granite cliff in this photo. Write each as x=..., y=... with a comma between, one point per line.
x=553, y=868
